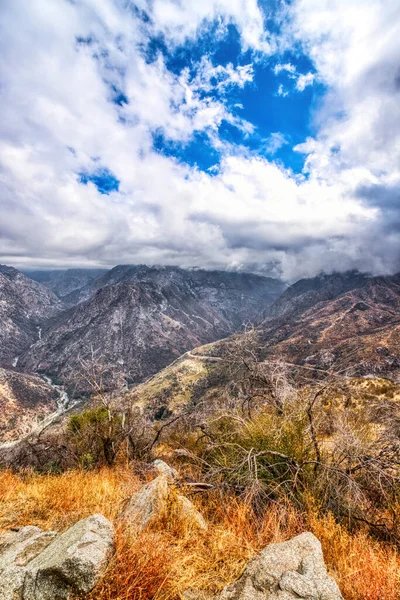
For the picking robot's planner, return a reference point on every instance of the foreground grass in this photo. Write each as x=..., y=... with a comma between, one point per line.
x=163, y=562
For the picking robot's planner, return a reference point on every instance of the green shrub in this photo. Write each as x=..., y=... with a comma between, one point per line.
x=94, y=437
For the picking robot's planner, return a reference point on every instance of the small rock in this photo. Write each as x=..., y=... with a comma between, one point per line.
x=159, y=498
x=188, y=513
x=147, y=504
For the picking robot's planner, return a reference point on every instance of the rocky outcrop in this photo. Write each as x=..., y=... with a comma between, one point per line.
x=160, y=498
x=286, y=571
x=39, y=565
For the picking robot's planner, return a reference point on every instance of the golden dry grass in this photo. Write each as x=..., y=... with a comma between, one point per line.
x=164, y=561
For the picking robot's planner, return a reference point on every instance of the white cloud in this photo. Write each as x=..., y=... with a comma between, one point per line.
x=304, y=80
x=179, y=20
x=57, y=120
x=275, y=141
x=282, y=91
x=287, y=67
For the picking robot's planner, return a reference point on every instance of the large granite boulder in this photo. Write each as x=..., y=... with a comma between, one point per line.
x=36, y=565
x=286, y=571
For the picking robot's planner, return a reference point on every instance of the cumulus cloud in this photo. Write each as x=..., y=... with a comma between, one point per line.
x=79, y=95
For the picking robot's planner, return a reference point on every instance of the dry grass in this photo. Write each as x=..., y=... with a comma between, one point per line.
x=57, y=501
x=161, y=563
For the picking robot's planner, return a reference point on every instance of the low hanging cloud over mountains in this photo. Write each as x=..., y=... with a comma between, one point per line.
x=141, y=132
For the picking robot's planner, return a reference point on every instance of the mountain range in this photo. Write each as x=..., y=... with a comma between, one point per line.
x=136, y=320
x=343, y=323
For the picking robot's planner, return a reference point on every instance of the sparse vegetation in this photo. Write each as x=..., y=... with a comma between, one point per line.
x=166, y=560
x=285, y=451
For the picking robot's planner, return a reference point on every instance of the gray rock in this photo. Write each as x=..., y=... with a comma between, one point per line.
x=189, y=514
x=147, y=504
x=19, y=547
x=12, y=583
x=72, y=563
x=39, y=565
x=286, y=571
x=159, y=498
x=165, y=469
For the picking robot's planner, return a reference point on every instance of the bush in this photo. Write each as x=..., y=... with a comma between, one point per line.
x=94, y=437
x=343, y=455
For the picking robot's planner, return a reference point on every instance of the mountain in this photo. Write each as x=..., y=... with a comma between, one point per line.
x=70, y=285
x=139, y=318
x=345, y=320
x=306, y=293
x=24, y=400
x=24, y=307
x=348, y=322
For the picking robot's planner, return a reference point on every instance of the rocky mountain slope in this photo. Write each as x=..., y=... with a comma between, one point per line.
x=342, y=321
x=24, y=307
x=349, y=323
x=24, y=400
x=139, y=319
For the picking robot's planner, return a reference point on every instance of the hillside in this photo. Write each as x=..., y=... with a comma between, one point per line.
x=349, y=323
x=25, y=305
x=24, y=401
x=69, y=284
x=340, y=321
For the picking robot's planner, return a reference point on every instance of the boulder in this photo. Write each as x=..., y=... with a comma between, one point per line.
x=147, y=504
x=165, y=469
x=188, y=513
x=41, y=565
x=286, y=571
x=158, y=498
x=18, y=547
x=73, y=563
x=12, y=581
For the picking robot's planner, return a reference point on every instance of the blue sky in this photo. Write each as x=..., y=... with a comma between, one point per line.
x=271, y=102
x=233, y=134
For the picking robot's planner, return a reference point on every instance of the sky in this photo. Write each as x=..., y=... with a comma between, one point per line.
x=231, y=134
